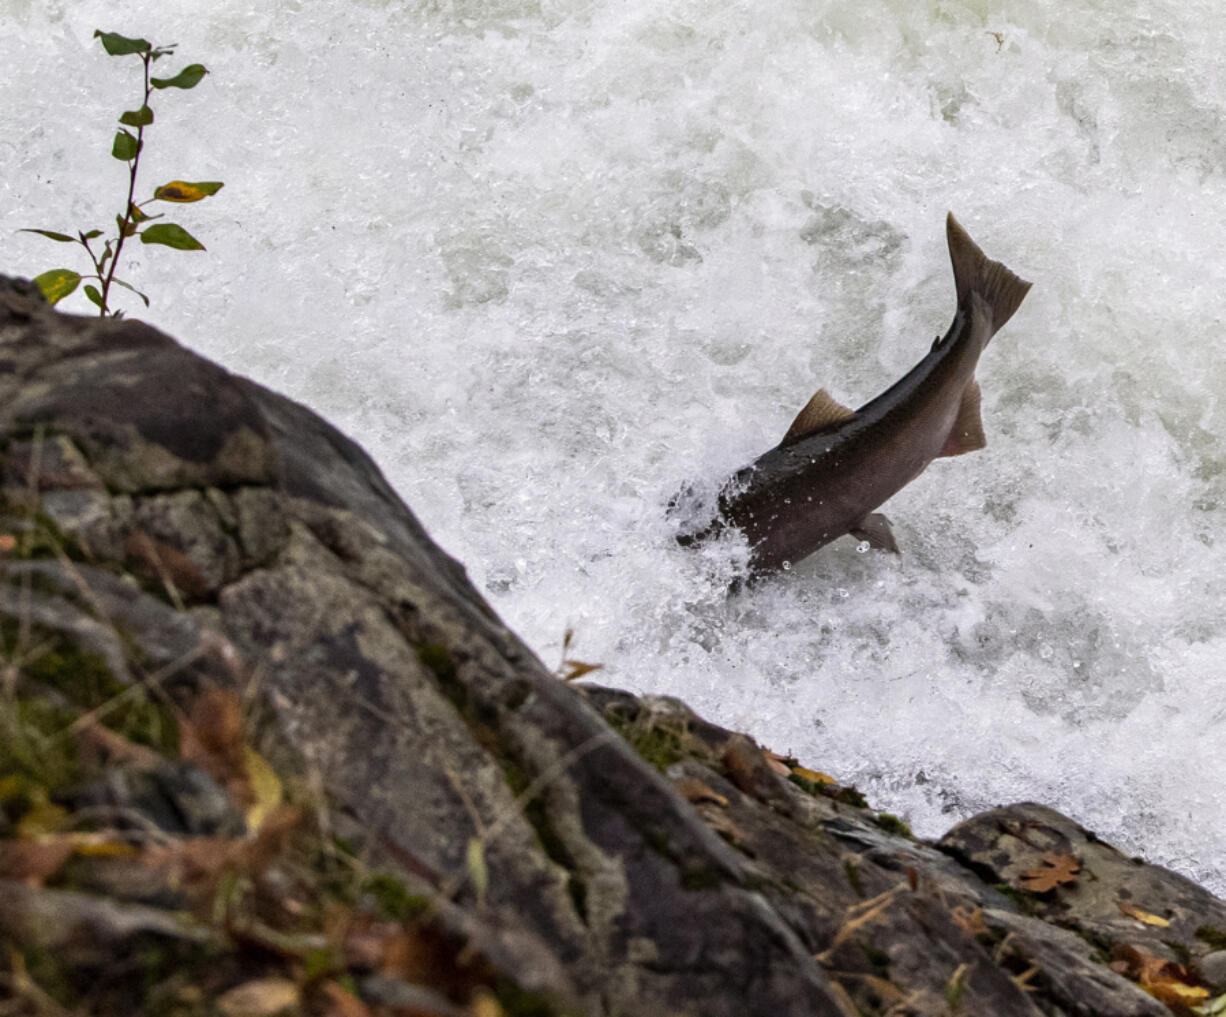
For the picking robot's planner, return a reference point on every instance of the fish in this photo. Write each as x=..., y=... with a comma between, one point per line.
x=835, y=466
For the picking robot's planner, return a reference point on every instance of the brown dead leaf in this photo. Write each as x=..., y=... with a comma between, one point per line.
x=34, y=861
x=1057, y=869
x=211, y=736
x=341, y=1002
x=749, y=767
x=1166, y=981
x=572, y=670
x=1141, y=916
x=157, y=560
x=969, y=920
x=263, y=997
x=695, y=791
x=777, y=762
x=8, y=543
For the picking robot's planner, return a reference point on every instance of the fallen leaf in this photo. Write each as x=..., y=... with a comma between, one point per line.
x=42, y=817
x=777, y=762
x=1057, y=869
x=157, y=560
x=265, y=788
x=342, y=1002
x=1141, y=916
x=263, y=997
x=814, y=776
x=8, y=543
x=969, y=920
x=33, y=861
x=1166, y=981
x=211, y=736
x=698, y=793
x=572, y=670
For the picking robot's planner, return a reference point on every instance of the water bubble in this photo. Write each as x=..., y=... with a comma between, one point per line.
x=862, y=547
x=787, y=566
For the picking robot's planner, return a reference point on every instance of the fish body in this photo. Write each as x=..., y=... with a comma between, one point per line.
x=834, y=467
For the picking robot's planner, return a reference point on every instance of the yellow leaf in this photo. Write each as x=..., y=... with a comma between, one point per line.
x=1141, y=916
x=477, y=872
x=1169, y=990
x=816, y=776
x=43, y=817
x=182, y=191
x=265, y=788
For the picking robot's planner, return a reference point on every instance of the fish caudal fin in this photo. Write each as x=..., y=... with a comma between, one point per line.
x=975, y=272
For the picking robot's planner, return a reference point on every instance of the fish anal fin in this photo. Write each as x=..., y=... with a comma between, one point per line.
x=975, y=272
x=820, y=412
x=875, y=528
x=967, y=433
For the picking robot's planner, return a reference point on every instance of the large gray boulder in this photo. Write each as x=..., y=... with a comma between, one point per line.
x=181, y=522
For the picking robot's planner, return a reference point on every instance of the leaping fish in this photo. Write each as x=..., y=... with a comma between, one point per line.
x=835, y=466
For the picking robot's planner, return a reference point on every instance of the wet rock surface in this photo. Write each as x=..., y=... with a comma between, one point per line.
x=173, y=528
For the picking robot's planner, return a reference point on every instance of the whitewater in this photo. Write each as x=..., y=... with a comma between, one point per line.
x=550, y=260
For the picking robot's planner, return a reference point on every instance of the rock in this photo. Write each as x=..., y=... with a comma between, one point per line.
x=1213, y=970
x=172, y=528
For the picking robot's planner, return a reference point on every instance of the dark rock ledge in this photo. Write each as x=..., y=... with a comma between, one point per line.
x=167, y=528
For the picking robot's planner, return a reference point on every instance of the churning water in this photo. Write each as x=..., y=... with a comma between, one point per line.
x=547, y=260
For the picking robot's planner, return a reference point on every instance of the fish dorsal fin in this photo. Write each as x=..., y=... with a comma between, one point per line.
x=967, y=433
x=975, y=272
x=820, y=412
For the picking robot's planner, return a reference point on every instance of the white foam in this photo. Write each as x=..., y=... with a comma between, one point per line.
x=549, y=259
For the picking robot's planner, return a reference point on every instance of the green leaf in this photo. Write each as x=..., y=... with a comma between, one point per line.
x=129, y=286
x=95, y=297
x=124, y=147
x=61, y=237
x=91, y=234
x=172, y=236
x=183, y=191
x=142, y=117
x=189, y=77
x=57, y=283
x=118, y=45
x=136, y=214
x=126, y=229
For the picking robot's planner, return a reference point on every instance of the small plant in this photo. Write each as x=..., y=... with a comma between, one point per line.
x=127, y=148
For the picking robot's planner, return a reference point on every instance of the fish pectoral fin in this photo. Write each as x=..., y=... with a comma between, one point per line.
x=875, y=528
x=967, y=433
x=820, y=412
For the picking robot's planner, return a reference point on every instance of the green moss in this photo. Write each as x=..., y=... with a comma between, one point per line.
x=536, y=813
x=892, y=824
x=849, y=796
x=659, y=741
x=805, y=785
x=439, y=660
x=1212, y=935
x=392, y=899
x=852, y=871
x=1024, y=901
x=517, y=1001
x=697, y=875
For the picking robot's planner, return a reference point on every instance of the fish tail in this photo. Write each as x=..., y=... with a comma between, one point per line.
x=975, y=272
